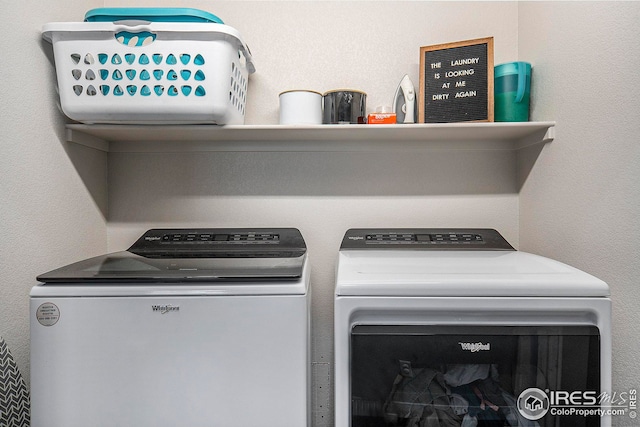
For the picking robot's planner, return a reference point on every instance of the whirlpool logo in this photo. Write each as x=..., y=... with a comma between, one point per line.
x=164, y=309
x=475, y=347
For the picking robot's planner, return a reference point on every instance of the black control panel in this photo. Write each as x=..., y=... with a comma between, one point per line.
x=219, y=242
x=218, y=238
x=425, y=238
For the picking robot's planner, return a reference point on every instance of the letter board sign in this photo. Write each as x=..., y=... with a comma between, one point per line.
x=456, y=82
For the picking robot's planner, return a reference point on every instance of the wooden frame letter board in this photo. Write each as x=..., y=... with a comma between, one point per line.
x=456, y=82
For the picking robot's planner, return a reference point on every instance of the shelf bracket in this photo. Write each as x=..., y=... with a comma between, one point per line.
x=87, y=140
x=536, y=138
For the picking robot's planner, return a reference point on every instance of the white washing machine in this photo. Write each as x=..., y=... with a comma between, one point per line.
x=454, y=327
x=206, y=327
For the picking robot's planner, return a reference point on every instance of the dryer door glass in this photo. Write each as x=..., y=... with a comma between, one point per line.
x=520, y=376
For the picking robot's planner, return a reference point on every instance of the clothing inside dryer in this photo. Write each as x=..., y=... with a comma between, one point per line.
x=468, y=376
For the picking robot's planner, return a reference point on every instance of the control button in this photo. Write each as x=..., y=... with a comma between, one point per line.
x=390, y=237
x=444, y=238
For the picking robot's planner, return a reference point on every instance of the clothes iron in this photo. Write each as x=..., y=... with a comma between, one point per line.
x=404, y=102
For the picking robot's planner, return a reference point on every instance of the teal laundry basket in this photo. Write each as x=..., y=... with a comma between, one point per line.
x=150, y=66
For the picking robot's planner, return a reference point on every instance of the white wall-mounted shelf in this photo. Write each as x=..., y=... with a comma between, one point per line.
x=321, y=138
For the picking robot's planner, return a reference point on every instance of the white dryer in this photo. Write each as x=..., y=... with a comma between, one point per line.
x=189, y=327
x=455, y=327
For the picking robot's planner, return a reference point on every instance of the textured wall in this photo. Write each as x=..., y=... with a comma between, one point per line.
x=580, y=203
x=53, y=193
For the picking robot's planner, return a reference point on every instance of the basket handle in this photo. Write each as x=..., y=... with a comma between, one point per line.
x=246, y=52
x=132, y=22
x=132, y=32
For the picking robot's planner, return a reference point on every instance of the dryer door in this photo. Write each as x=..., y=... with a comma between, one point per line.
x=474, y=375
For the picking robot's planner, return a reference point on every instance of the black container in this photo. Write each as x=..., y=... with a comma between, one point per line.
x=344, y=106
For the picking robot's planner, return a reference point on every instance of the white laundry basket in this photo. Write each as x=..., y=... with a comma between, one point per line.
x=150, y=72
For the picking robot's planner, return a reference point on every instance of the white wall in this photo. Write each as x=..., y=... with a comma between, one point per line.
x=53, y=194
x=56, y=209
x=581, y=202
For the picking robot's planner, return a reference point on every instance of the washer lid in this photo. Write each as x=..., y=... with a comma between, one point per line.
x=194, y=255
x=460, y=274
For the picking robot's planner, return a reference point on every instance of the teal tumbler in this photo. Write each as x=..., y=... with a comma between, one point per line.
x=512, y=91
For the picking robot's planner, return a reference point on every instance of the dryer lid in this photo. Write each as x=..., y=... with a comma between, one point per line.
x=194, y=255
x=452, y=263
